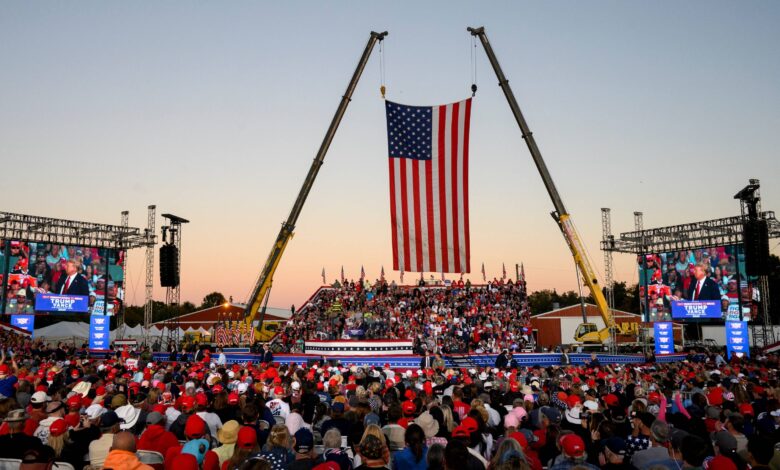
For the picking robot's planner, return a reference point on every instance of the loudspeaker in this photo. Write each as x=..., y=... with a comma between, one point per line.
x=756, y=238
x=169, y=265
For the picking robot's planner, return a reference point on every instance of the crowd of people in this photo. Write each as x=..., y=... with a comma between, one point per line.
x=458, y=318
x=116, y=413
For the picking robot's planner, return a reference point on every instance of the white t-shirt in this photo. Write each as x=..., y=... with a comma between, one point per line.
x=171, y=414
x=212, y=420
x=278, y=407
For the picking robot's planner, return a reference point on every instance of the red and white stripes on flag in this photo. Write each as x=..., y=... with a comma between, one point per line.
x=429, y=194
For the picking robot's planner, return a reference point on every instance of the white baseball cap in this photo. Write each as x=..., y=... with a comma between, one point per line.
x=39, y=397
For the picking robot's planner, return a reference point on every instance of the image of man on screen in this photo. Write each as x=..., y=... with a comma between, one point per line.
x=704, y=288
x=72, y=283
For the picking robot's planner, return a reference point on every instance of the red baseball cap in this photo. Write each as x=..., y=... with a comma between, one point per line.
x=520, y=438
x=201, y=399
x=100, y=391
x=74, y=401
x=217, y=388
x=460, y=431
x=247, y=438
x=187, y=403
x=654, y=397
x=573, y=445
x=409, y=407
x=233, y=398
x=195, y=427
x=58, y=427
x=572, y=401
x=470, y=424
x=611, y=400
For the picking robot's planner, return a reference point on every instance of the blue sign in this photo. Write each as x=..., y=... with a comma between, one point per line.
x=664, y=337
x=737, y=339
x=99, y=334
x=696, y=310
x=24, y=322
x=56, y=303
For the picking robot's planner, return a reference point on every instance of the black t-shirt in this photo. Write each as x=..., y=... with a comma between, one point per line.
x=12, y=446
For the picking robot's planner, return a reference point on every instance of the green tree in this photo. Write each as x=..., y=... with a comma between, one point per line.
x=212, y=300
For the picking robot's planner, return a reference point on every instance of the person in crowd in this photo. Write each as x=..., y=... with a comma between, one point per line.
x=122, y=455
x=99, y=448
x=155, y=438
x=15, y=441
x=303, y=448
x=245, y=445
x=413, y=456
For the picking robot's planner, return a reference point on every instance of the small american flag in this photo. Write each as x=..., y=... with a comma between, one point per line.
x=429, y=211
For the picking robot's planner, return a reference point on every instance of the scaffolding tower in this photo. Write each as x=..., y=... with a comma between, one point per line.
x=150, y=242
x=171, y=234
x=120, y=317
x=762, y=328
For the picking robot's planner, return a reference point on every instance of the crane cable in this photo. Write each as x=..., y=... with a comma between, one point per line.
x=382, y=87
x=473, y=57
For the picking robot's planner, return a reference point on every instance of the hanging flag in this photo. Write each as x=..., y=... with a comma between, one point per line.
x=503, y=272
x=323, y=276
x=428, y=149
x=342, y=274
x=362, y=273
x=484, y=276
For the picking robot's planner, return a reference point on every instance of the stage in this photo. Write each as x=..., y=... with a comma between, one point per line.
x=409, y=361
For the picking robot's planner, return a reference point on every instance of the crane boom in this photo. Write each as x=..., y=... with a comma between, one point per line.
x=562, y=217
x=255, y=306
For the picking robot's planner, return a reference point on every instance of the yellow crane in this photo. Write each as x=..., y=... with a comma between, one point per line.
x=258, y=301
x=586, y=333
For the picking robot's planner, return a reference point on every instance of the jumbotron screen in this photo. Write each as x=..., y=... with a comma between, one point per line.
x=62, y=279
x=702, y=284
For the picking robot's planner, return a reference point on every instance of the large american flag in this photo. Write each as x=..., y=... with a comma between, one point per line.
x=428, y=148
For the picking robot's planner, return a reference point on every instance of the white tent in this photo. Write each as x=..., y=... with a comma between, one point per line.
x=135, y=332
x=65, y=329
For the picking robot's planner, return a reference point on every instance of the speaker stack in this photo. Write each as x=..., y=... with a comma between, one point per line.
x=169, y=265
x=756, y=238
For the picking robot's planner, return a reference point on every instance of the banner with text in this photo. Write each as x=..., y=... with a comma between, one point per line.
x=358, y=348
x=664, y=337
x=99, y=335
x=24, y=322
x=737, y=339
x=55, y=303
x=696, y=310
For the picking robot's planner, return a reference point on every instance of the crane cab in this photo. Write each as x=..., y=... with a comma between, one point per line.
x=587, y=333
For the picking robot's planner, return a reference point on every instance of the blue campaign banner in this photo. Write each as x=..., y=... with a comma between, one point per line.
x=56, y=303
x=737, y=339
x=25, y=322
x=99, y=334
x=664, y=337
x=696, y=310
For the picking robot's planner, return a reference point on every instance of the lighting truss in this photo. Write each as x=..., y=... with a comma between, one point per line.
x=690, y=236
x=32, y=228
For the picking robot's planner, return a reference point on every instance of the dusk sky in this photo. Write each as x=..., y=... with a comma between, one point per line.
x=213, y=111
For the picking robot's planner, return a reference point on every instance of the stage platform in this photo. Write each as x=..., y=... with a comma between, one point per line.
x=407, y=361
